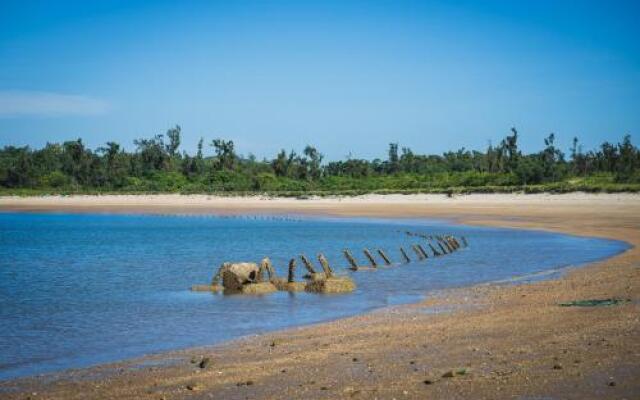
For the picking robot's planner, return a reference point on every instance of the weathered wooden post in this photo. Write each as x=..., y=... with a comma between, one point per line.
x=218, y=275
x=307, y=264
x=435, y=252
x=405, y=256
x=261, y=269
x=447, y=242
x=423, y=252
x=328, y=272
x=349, y=257
x=265, y=265
x=384, y=257
x=451, y=247
x=442, y=248
x=447, y=245
x=418, y=252
x=292, y=270
x=370, y=257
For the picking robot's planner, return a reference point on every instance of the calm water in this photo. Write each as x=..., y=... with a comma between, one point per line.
x=77, y=290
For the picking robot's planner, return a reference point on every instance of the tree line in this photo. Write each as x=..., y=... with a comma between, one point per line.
x=158, y=165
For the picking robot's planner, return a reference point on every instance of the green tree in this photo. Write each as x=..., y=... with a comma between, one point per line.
x=628, y=160
x=394, y=159
x=17, y=167
x=509, y=151
x=116, y=164
x=152, y=154
x=225, y=154
x=552, y=159
x=314, y=160
x=608, y=157
x=77, y=162
x=529, y=171
x=280, y=164
x=174, y=140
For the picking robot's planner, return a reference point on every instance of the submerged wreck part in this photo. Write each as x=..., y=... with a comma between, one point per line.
x=206, y=288
x=233, y=276
x=284, y=285
x=289, y=284
x=464, y=241
x=433, y=249
x=292, y=271
x=442, y=248
x=384, y=257
x=307, y=264
x=236, y=275
x=265, y=265
x=405, y=257
x=325, y=265
x=243, y=278
x=336, y=284
x=257, y=288
x=218, y=275
x=447, y=243
x=454, y=243
x=424, y=253
x=350, y=259
x=446, y=246
x=246, y=271
x=370, y=257
x=317, y=276
x=418, y=252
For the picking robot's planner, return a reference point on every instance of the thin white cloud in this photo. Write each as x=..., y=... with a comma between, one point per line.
x=48, y=104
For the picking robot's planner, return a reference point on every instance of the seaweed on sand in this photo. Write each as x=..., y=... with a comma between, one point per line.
x=594, y=303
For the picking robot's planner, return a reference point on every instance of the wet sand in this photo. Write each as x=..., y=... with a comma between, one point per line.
x=513, y=341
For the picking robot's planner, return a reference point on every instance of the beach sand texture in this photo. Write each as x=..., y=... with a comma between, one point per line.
x=496, y=341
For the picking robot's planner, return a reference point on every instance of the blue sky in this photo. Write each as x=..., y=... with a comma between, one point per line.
x=348, y=77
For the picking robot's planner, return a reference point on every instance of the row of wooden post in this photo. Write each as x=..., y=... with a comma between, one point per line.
x=447, y=244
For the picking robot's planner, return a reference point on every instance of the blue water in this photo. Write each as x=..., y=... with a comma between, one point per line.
x=77, y=290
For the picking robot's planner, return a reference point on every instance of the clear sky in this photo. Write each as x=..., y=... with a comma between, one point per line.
x=348, y=77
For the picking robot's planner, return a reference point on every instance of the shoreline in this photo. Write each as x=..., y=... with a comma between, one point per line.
x=584, y=215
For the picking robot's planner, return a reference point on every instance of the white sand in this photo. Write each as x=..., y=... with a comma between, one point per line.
x=215, y=202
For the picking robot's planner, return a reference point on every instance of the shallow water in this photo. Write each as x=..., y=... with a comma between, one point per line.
x=77, y=290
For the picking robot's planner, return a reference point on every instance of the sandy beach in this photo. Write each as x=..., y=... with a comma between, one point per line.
x=499, y=340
